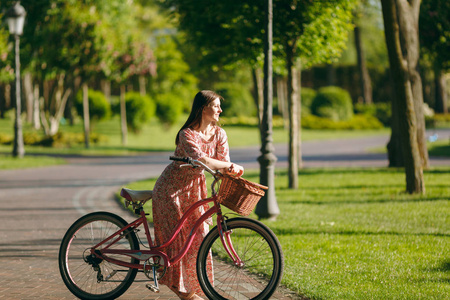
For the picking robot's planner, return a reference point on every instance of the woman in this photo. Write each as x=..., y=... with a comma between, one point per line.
x=178, y=188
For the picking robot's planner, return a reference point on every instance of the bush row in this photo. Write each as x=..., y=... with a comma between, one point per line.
x=59, y=140
x=139, y=108
x=310, y=122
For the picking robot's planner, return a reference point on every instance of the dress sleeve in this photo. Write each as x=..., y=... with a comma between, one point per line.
x=190, y=145
x=223, y=151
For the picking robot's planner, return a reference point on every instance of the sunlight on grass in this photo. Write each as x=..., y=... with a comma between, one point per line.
x=355, y=233
x=9, y=162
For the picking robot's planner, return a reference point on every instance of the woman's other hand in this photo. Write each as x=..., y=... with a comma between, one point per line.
x=235, y=169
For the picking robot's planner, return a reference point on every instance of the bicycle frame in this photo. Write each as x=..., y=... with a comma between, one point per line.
x=155, y=250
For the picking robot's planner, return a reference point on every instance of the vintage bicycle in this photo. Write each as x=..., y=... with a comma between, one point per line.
x=100, y=253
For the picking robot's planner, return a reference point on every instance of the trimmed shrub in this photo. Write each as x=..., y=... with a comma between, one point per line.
x=169, y=108
x=357, y=122
x=99, y=108
x=238, y=100
x=62, y=139
x=31, y=138
x=140, y=109
x=307, y=96
x=6, y=139
x=333, y=103
x=381, y=111
x=247, y=121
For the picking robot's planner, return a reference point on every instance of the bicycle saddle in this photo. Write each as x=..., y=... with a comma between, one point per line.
x=136, y=196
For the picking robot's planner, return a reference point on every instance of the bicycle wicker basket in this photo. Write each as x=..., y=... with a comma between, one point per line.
x=239, y=194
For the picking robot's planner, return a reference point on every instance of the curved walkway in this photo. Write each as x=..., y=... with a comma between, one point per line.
x=37, y=206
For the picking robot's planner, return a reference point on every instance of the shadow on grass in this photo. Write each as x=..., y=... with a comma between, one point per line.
x=380, y=201
x=444, y=267
x=440, y=151
x=357, y=170
x=345, y=187
x=298, y=231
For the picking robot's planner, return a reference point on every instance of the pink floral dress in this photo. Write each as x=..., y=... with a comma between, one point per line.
x=174, y=192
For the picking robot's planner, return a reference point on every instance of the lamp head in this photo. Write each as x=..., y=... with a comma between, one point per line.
x=15, y=17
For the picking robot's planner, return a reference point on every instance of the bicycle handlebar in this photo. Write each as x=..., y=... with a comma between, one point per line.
x=195, y=163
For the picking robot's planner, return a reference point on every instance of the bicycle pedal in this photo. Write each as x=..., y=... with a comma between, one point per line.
x=152, y=288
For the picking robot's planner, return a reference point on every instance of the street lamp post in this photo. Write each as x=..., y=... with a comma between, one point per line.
x=16, y=19
x=267, y=207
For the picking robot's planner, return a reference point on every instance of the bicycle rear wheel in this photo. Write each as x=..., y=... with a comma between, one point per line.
x=87, y=276
x=259, y=250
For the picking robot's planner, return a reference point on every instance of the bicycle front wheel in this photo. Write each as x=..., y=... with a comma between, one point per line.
x=87, y=276
x=260, y=272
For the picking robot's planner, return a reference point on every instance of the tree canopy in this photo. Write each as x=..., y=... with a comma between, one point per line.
x=434, y=29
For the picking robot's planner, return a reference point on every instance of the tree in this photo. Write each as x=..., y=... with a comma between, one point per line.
x=227, y=32
x=308, y=33
x=409, y=42
x=400, y=21
x=434, y=32
x=6, y=71
x=136, y=59
x=364, y=77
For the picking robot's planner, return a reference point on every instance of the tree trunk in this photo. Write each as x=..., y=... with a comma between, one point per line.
x=331, y=75
x=60, y=105
x=293, y=118
x=76, y=83
x=407, y=119
x=52, y=115
x=86, y=120
x=36, y=108
x=394, y=146
x=2, y=101
x=364, y=77
x=258, y=92
x=282, y=101
x=123, y=114
x=106, y=89
x=408, y=20
x=142, y=85
x=441, y=93
x=7, y=95
x=299, y=115
x=29, y=95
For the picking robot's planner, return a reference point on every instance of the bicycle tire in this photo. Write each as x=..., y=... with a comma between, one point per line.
x=259, y=249
x=78, y=274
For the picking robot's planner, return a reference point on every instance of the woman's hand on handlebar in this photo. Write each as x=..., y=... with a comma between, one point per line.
x=235, y=169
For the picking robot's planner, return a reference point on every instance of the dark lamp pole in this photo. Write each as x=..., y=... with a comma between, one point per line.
x=16, y=19
x=267, y=207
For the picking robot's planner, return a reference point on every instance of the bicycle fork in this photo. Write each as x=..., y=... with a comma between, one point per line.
x=225, y=237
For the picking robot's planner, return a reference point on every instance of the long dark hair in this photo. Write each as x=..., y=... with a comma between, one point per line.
x=201, y=100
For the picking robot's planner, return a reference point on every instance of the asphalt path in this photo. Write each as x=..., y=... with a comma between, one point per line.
x=354, y=152
x=38, y=205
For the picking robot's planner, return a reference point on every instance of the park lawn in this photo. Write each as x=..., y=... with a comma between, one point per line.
x=354, y=234
x=9, y=162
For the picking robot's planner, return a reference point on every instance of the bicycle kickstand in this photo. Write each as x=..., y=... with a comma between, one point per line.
x=154, y=287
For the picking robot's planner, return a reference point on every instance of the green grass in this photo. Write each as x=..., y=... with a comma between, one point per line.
x=354, y=234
